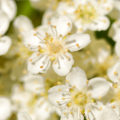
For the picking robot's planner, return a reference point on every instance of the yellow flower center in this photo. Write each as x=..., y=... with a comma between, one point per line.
x=87, y=13
x=54, y=46
x=80, y=98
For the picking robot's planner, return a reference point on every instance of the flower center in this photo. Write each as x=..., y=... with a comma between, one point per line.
x=55, y=47
x=80, y=99
x=87, y=13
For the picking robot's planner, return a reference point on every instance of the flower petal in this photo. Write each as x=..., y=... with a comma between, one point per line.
x=102, y=23
x=5, y=43
x=5, y=108
x=34, y=39
x=77, y=41
x=77, y=78
x=9, y=7
x=92, y=110
x=63, y=25
x=43, y=109
x=72, y=113
x=23, y=116
x=100, y=88
x=114, y=73
x=108, y=114
x=105, y=6
x=100, y=112
x=34, y=83
x=63, y=64
x=20, y=97
x=38, y=63
x=23, y=25
x=4, y=23
x=48, y=15
x=59, y=95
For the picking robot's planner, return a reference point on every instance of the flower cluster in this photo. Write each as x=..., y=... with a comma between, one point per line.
x=60, y=60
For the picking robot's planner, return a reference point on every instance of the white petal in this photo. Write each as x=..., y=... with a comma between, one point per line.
x=43, y=109
x=5, y=43
x=35, y=84
x=92, y=110
x=9, y=7
x=63, y=25
x=5, y=108
x=34, y=39
x=116, y=36
x=4, y=23
x=77, y=41
x=20, y=97
x=38, y=63
x=114, y=73
x=63, y=64
x=23, y=24
x=115, y=106
x=105, y=6
x=28, y=77
x=102, y=23
x=103, y=54
x=77, y=78
x=23, y=116
x=59, y=95
x=80, y=26
x=64, y=8
x=48, y=15
x=72, y=113
x=100, y=88
x=100, y=112
x=108, y=114
x=117, y=48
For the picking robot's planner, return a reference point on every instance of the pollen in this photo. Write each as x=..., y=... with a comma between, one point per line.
x=80, y=99
x=87, y=13
x=77, y=45
x=41, y=66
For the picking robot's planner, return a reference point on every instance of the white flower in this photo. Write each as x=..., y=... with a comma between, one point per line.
x=34, y=83
x=23, y=25
x=5, y=43
x=32, y=98
x=4, y=22
x=114, y=73
x=5, y=108
x=52, y=43
x=72, y=98
x=116, y=36
x=116, y=28
x=110, y=110
x=23, y=116
x=100, y=111
x=9, y=7
x=86, y=14
x=7, y=13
